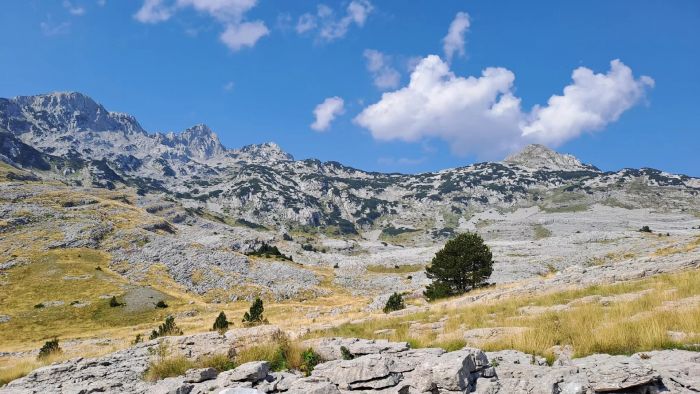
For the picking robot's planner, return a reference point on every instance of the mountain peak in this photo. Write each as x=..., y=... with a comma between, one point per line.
x=539, y=157
x=68, y=112
x=266, y=152
x=198, y=141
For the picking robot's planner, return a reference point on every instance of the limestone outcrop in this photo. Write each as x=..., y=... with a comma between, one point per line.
x=371, y=366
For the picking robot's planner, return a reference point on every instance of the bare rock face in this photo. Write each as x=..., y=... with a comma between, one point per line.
x=379, y=367
x=538, y=157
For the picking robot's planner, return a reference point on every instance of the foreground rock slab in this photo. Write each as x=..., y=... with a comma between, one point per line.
x=374, y=366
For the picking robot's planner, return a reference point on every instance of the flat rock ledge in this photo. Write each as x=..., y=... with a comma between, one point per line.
x=376, y=366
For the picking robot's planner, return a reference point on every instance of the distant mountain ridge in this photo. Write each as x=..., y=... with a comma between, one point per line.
x=70, y=137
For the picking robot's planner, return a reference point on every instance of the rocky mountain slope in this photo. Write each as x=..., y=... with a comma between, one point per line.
x=539, y=210
x=70, y=137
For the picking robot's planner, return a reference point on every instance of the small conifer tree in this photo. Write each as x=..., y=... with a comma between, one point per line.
x=255, y=314
x=394, y=303
x=166, y=329
x=220, y=324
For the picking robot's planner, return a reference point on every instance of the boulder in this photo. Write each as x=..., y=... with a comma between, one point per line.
x=329, y=348
x=200, y=375
x=253, y=371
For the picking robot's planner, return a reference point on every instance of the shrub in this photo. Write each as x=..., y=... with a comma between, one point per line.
x=220, y=362
x=50, y=348
x=310, y=360
x=464, y=263
x=114, y=303
x=255, y=314
x=161, y=304
x=269, y=251
x=220, y=324
x=138, y=339
x=345, y=353
x=98, y=268
x=280, y=353
x=394, y=303
x=166, y=329
x=164, y=365
x=39, y=305
x=645, y=229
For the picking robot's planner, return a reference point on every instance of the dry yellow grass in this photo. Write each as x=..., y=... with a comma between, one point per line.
x=675, y=249
x=399, y=269
x=69, y=276
x=590, y=327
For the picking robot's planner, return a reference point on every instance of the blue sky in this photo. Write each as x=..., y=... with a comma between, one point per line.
x=255, y=71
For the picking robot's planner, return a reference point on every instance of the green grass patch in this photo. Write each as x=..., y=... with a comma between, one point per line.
x=565, y=208
x=541, y=231
x=397, y=269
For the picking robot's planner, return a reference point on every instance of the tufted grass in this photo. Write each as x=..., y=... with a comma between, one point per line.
x=623, y=327
x=22, y=367
x=401, y=269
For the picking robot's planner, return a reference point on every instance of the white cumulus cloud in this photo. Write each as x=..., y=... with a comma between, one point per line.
x=153, y=11
x=454, y=40
x=326, y=112
x=383, y=75
x=246, y=34
x=331, y=27
x=589, y=103
x=482, y=115
x=237, y=33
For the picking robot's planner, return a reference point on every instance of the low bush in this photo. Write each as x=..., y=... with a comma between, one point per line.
x=114, y=303
x=310, y=360
x=161, y=304
x=394, y=303
x=50, y=348
x=345, y=353
x=166, y=329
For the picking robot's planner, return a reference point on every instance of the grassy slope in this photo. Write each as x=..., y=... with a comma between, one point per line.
x=70, y=275
x=618, y=328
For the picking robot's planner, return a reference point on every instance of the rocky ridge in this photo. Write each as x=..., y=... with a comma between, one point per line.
x=70, y=137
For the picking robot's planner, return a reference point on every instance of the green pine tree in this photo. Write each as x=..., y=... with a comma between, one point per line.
x=220, y=324
x=168, y=328
x=255, y=314
x=464, y=263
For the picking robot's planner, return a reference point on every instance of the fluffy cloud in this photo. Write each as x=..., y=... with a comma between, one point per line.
x=482, y=115
x=246, y=34
x=153, y=11
x=454, y=40
x=326, y=112
x=330, y=27
x=589, y=103
x=384, y=76
x=230, y=13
